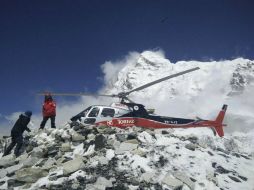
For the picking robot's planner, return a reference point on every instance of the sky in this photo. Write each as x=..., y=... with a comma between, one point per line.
x=61, y=45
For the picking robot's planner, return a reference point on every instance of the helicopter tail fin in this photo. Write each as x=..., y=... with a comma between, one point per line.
x=219, y=119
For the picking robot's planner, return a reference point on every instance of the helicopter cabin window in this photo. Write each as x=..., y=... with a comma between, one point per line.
x=107, y=112
x=94, y=112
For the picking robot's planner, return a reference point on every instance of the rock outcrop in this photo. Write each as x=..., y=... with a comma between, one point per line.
x=87, y=157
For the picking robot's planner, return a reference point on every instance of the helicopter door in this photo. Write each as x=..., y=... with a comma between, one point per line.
x=105, y=114
x=92, y=116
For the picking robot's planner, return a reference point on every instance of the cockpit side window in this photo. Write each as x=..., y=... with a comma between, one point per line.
x=94, y=112
x=107, y=112
x=86, y=111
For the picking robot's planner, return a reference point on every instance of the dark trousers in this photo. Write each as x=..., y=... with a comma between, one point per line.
x=45, y=119
x=16, y=139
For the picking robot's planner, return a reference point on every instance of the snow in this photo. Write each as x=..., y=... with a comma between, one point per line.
x=145, y=137
x=110, y=154
x=90, y=150
x=78, y=149
x=76, y=174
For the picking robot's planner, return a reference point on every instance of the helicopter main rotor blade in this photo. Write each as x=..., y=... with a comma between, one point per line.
x=160, y=80
x=76, y=94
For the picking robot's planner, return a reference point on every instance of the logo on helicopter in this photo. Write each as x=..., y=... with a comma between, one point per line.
x=136, y=108
x=131, y=121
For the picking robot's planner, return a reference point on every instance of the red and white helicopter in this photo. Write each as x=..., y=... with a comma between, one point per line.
x=128, y=113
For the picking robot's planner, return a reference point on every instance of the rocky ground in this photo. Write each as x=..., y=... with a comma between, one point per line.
x=88, y=157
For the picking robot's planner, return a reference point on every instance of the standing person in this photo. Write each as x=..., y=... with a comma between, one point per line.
x=48, y=111
x=16, y=133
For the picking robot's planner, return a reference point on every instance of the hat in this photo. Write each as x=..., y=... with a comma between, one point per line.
x=28, y=113
x=48, y=97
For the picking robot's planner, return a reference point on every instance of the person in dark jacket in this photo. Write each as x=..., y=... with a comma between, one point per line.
x=48, y=111
x=17, y=133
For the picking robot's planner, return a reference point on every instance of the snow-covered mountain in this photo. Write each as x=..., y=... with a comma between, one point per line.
x=200, y=93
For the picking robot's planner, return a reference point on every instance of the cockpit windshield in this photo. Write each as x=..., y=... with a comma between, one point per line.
x=86, y=111
x=81, y=114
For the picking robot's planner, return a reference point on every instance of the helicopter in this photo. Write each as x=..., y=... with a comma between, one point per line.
x=127, y=113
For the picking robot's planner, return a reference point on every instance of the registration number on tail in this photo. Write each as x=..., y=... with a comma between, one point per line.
x=170, y=122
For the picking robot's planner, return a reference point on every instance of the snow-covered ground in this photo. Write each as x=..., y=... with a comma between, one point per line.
x=135, y=158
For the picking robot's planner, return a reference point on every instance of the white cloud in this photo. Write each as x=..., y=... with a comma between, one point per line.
x=111, y=69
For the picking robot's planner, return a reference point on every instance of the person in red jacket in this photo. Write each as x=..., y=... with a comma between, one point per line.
x=48, y=111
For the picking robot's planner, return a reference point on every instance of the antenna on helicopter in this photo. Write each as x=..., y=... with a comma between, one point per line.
x=123, y=95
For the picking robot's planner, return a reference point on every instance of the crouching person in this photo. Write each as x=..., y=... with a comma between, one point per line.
x=17, y=133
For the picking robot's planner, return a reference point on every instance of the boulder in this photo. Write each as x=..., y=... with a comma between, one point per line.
x=126, y=147
x=3, y=183
x=101, y=159
x=206, y=141
x=85, y=131
x=3, y=173
x=191, y=146
x=132, y=136
x=77, y=137
x=100, y=142
x=192, y=138
x=221, y=170
x=8, y=160
x=234, y=179
x=120, y=137
x=185, y=179
x=231, y=145
x=139, y=152
x=22, y=157
x=14, y=183
x=30, y=175
x=211, y=177
x=30, y=161
x=66, y=136
x=38, y=152
x=91, y=137
x=72, y=165
x=132, y=141
x=49, y=163
x=148, y=177
x=101, y=129
x=66, y=147
x=53, y=150
x=172, y=182
x=109, y=131
x=14, y=168
x=102, y=183
x=116, y=144
x=110, y=154
x=29, y=148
